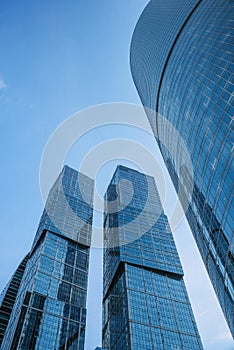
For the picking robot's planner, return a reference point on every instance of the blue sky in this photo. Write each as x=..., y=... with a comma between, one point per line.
x=57, y=58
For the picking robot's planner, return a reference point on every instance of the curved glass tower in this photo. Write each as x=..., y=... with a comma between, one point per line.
x=182, y=62
x=8, y=296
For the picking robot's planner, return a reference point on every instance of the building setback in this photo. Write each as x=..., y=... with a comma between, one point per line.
x=50, y=308
x=145, y=302
x=182, y=65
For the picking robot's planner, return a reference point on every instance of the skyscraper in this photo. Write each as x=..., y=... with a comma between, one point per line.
x=182, y=65
x=50, y=308
x=8, y=296
x=145, y=302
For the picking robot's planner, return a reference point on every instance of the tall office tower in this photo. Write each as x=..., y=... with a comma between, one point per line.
x=145, y=303
x=50, y=308
x=182, y=62
x=8, y=296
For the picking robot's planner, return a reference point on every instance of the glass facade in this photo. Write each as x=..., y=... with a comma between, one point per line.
x=8, y=296
x=50, y=309
x=190, y=82
x=145, y=303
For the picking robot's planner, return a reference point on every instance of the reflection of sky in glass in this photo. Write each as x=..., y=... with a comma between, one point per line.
x=80, y=62
x=50, y=308
x=144, y=292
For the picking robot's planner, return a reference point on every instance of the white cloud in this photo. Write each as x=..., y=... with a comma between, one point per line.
x=3, y=85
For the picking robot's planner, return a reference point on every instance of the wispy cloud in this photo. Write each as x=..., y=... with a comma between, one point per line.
x=3, y=85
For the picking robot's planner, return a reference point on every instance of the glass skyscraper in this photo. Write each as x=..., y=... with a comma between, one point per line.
x=182, y=62
x=8, y=296
x=50, y=307
x=145, y=302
